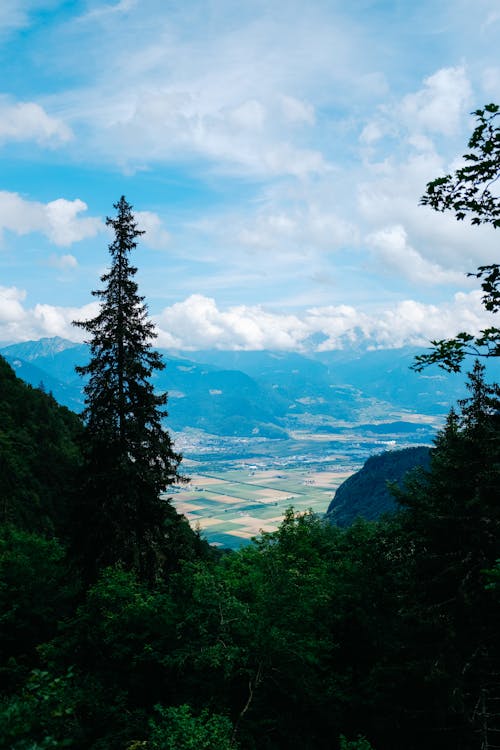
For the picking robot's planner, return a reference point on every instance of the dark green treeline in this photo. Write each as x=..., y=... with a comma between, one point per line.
x=312, y=637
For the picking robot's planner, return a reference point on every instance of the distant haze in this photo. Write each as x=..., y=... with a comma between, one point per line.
x=271, y=394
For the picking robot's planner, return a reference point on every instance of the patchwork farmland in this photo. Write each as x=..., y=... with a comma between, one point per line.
x=242, y=486
x=232, y=507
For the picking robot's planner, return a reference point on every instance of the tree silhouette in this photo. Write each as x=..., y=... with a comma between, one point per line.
x=469, y=193
x=129, y=457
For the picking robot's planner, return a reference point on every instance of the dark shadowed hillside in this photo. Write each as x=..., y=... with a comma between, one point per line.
x=38, y=455
x=366, y=493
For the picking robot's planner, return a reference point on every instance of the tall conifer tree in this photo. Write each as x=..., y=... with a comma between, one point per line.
x=129, y=457
x=451, y=532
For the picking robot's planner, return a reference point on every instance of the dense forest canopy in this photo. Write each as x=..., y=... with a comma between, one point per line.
x=383, y=629
x=39, y=454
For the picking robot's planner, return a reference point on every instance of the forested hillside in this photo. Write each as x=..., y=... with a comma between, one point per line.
x=367, y=493
x=384, y=629
x=39, y=455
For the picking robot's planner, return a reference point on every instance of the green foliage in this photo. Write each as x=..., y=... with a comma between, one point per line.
x=39, y=457
x=275, y=637
x=176, y=728
x=306, y=637
x=36, y=590
x=468, y=193
x=361, y=743
x=118, y=642
x=367, y=493
x=451, y=529
x=43, y=716
x=280, y=632
x=122, y=632
x=492, y=578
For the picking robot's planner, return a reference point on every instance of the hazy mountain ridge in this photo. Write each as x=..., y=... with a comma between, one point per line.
x=247, y=393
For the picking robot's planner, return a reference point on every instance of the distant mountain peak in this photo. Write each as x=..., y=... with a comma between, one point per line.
x=44, y=347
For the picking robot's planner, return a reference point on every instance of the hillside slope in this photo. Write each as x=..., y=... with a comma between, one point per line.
x=366, y=494
x=38, y=455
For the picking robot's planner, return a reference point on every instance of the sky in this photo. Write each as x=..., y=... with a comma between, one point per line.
x=275, y=153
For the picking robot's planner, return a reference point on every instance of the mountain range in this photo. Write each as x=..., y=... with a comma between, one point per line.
x=264, y=393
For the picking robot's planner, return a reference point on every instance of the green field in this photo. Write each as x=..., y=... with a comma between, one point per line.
x=233, y=506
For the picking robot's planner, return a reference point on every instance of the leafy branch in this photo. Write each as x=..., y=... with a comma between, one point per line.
x=468, y=193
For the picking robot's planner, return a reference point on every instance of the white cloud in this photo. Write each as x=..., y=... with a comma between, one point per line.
x=156, y=236
x=437, y=108
x=240, y=91
x=307, y=226
x=58, y=220
x=412, y=322
x=491, y=82
x=251, y=115
x=406, y=323
x=372, y=132
x=326, y=229
x=340, y=324
x=63, y=262
x=284, y=158
x=269, y=231
x=395, y=253
x=11, y=309
x=21, y=323
x=106, y=12
x=27, y=121
x=256, y=118
x=297, y=111
x=235, y=133
x=388, y=196
x=51, y=320
x=197, y=323
x=440, y=104
x=65, y=226
x=15, y=14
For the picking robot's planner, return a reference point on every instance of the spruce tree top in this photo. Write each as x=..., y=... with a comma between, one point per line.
x=122, y=359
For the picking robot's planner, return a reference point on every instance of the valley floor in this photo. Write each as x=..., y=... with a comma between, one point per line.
x=242, y=486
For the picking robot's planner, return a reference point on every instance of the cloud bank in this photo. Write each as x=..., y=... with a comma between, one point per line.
x=197, y=323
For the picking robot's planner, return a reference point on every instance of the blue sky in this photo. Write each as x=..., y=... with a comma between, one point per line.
x=275, y=153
